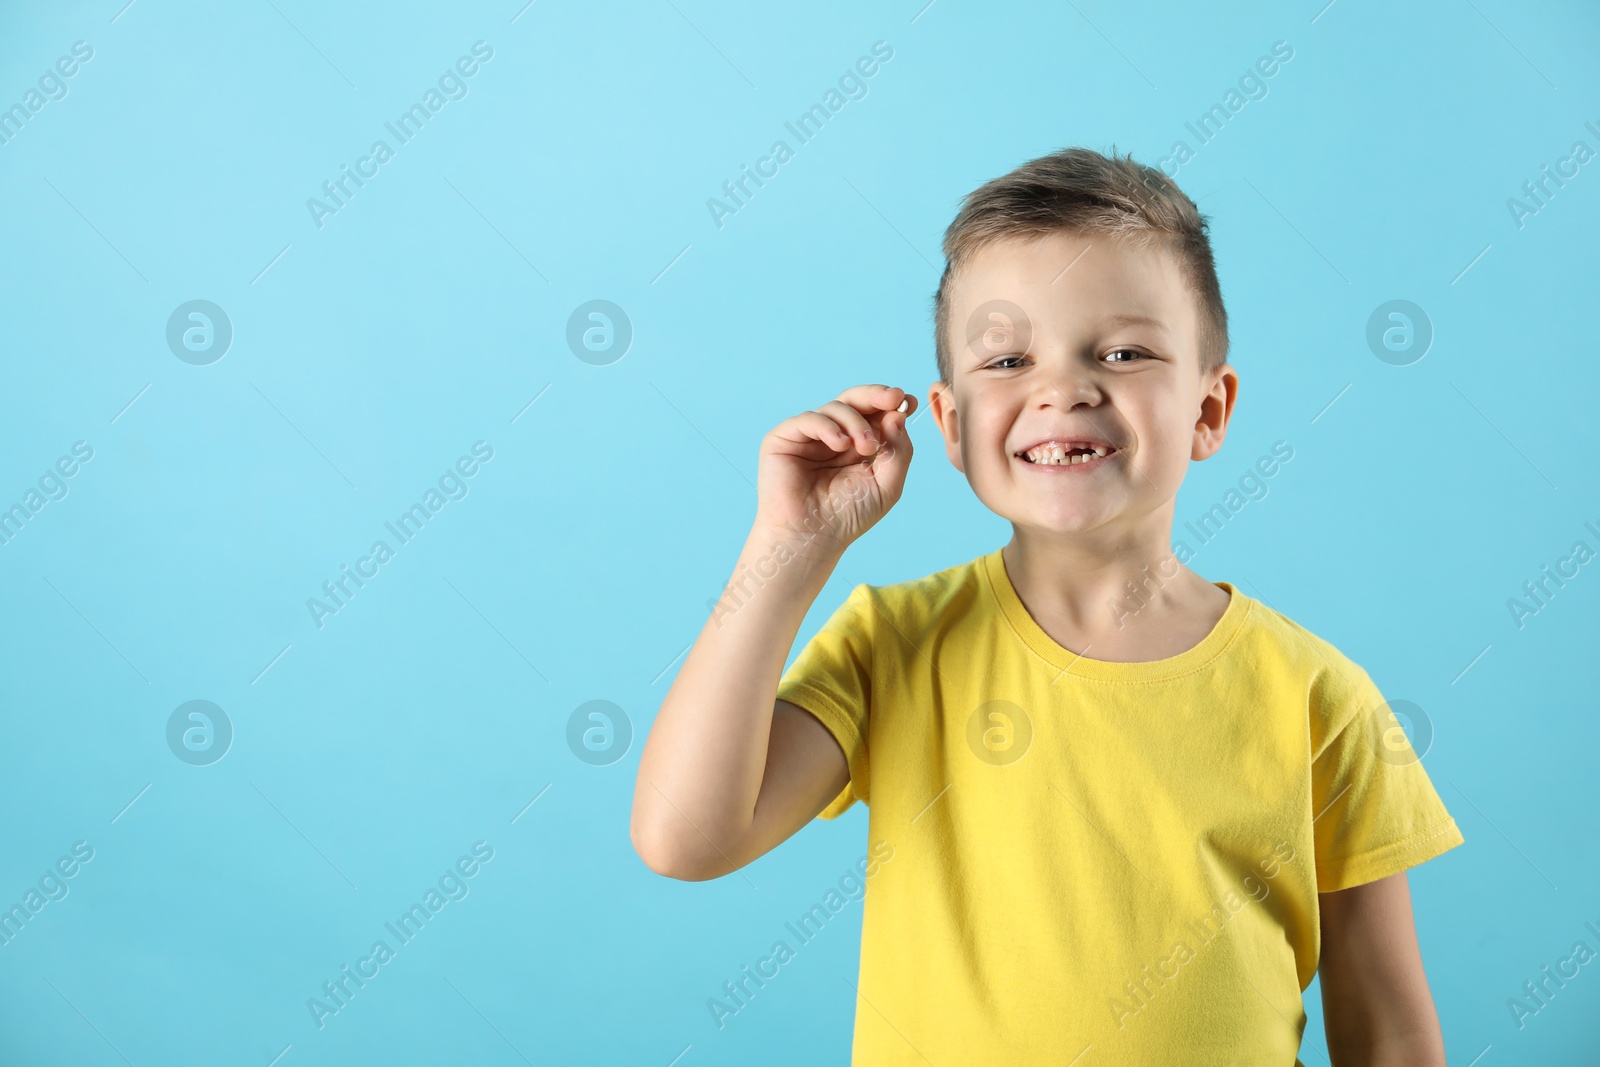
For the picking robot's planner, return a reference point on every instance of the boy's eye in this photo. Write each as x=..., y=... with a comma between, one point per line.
x=1000, y=364
x=1133, y=355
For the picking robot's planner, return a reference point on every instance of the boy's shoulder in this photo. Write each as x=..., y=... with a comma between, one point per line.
x=1337, y=687
x=929, y=598
x=1295, y=639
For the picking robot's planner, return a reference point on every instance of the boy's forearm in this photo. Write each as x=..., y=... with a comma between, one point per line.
x=1422, y=1048
x=1407, y=1033
x=703, y=762
x=1377, y=1008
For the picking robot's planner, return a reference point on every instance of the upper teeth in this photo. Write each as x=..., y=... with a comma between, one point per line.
x=1054, y=452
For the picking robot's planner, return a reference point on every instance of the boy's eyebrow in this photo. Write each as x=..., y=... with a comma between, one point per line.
x=1135, y=320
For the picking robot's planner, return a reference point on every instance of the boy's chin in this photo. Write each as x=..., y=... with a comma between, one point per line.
x=1062, y=519
x=1065, y=527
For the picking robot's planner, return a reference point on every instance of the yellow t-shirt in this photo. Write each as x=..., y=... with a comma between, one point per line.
x=1081, y=856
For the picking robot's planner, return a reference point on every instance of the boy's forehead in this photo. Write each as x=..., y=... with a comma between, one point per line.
x=1066, y=263
x=1094, y=276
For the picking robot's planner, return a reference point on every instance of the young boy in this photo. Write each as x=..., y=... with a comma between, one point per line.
x=1119, y=814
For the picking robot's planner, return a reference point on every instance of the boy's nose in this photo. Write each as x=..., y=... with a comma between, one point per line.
x=1066, y=387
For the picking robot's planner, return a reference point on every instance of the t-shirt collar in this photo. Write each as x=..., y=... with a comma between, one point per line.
x=993, y=569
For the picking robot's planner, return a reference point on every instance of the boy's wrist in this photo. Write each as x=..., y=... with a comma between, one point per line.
x=778, y=572
x=773, y=546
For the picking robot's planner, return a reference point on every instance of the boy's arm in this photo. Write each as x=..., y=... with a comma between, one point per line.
x=1377, y=1010
x=728, y=772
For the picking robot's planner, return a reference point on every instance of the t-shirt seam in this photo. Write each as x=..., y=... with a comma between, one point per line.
x=827, y=699
x=844, y=719
x=1402, y=847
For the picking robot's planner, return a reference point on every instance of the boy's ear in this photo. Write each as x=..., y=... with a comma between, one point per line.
x=942, y=404
x=1216, y=407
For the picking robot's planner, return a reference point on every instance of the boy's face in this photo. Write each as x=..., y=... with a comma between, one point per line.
x=1069, y=369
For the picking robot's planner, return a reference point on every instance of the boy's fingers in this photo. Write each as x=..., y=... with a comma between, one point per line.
x=814, y=426
x=895, y=455
x=893, y=422
x=854, y=422
x=873, y=398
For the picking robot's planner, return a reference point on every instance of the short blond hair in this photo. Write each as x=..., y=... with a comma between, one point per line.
x=1078, y=190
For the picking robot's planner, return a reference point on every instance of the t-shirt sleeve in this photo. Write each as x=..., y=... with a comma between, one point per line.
x=1375, y=811
x=832, y=679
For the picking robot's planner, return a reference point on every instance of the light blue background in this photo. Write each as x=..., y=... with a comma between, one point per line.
x=429, y=312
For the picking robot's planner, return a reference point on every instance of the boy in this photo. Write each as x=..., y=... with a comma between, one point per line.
x=1139, y=857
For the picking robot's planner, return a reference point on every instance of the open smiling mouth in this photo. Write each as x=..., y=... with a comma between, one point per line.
x=1068, y=455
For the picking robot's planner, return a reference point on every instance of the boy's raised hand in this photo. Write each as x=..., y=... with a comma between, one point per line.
x=823, y=477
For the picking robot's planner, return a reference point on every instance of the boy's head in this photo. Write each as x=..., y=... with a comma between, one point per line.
x=1080, y=302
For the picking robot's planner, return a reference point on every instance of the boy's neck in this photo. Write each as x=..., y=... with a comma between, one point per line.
x=1112, y=597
